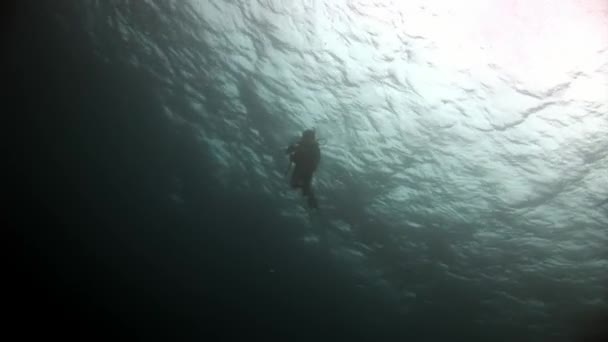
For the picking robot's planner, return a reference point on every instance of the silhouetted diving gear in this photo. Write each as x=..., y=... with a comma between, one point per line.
x=306, y=155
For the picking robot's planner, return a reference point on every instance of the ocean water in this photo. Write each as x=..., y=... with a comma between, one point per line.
x=462, y=186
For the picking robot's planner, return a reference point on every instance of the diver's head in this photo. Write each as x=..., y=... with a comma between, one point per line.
x=308, y=135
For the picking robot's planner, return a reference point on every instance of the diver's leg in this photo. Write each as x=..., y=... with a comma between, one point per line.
x=307, y=191
x=306, y=181
x=296, y=178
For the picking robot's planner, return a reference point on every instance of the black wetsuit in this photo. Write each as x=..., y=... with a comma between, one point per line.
x=306, y=156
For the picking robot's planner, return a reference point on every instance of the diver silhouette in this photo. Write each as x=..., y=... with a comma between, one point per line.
x=306, y=155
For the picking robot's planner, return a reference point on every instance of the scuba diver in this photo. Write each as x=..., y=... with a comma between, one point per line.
x=305, y=154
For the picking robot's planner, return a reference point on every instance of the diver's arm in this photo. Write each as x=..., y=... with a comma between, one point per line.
x=290, y=151
x=288, y=168
x=291, y=148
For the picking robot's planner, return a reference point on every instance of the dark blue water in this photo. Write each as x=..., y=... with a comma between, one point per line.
x=108, y=253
